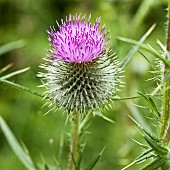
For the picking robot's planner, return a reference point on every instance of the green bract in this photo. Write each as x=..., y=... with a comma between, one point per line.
x=82, y=86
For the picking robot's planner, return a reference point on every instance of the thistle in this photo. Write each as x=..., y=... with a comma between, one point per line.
x=81, y=74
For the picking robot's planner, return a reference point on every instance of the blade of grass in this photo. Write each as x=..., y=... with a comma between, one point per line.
x=134, y=49
x=6, y=68
x=11, y=46
x=142, y=13
x=137, y=115
x=21, y=87
x=94, y=162
x=134, y=97
x=151, y=104
x=126, y=98
x=22, y=156
x=146, y=48
x=14, y=73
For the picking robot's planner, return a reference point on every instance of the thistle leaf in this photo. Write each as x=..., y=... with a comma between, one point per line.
x=144, y=156
x=94, y=162
x=156, y=146
x=133, y=50
x=18, y=150
x=154, y=165
x=150, y=103
x=147, y=48
x=145, y=131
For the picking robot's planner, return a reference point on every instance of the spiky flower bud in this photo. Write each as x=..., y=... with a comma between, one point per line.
x=80, y=73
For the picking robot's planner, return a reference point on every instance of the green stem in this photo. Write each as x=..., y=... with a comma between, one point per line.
x=74, y=141
x=17, y=86
x=166, y=111
x=165, y=128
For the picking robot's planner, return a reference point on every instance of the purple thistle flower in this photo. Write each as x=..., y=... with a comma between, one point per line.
x=81, y=74
x=77, y=41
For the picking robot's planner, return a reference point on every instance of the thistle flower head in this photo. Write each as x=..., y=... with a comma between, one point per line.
x=77, y=41
x=80, y=73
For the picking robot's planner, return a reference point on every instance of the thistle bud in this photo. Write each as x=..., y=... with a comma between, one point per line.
x=80, y=73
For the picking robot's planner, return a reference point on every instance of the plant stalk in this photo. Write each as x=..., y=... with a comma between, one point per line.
x=165, y=124
x=74, y=142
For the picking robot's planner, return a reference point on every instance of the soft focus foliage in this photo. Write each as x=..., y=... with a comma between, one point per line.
x=46, y=136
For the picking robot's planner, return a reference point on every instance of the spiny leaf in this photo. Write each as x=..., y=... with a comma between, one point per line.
x=147, y=48
x=144, y=130
x=129, y=165
x=138, y=116
x=143, y=145
x=150, y=103
x=156, y=146
x=134, y=49
x=18, y=150
x=154, y=165
x=94, y=162
x=145, y=57
x=144, y=156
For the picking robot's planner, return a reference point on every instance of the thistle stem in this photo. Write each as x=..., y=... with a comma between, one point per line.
x=74, y=141
x=166, y=111
x=165, y=127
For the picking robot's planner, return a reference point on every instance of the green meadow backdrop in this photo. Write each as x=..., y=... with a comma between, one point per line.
x=23, y=25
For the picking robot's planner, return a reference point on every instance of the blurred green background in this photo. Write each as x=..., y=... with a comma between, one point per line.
x=29, y=20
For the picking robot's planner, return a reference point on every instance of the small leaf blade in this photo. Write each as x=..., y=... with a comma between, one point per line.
x=157, y=163
x=150, y=103
x=133, y=50
x=146, y=48
x=94, y=162
x=20, y=87
x=11, y=46
x=22, y=156
x=156, y=146
x=15, y=73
